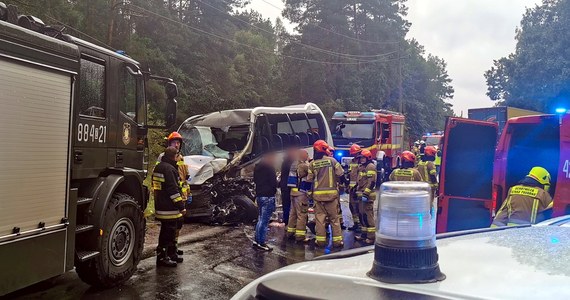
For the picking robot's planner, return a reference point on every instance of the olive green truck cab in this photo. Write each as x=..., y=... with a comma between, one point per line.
x=73, y=156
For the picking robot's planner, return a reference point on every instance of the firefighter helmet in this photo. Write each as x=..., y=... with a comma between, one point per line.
x=174, y=136
x=408, y=156
x=321, y=146
x=430, y=151
x=367, y=154
x=540, y=174
x=355, y=149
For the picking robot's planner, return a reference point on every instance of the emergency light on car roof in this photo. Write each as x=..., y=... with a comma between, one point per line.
x=353, y=114
x=405, y=250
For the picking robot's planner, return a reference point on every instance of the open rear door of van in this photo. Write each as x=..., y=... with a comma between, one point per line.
x=465, y=188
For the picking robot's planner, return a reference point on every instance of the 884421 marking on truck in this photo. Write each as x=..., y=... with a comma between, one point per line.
x=91, y=133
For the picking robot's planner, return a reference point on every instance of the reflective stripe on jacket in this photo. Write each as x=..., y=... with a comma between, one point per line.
x=522, y=205
x=427, y=168
x=301, y=186
x=324, y=173
x=410, y=174
x=182, y=173
x=366, y=181
x=168, y=201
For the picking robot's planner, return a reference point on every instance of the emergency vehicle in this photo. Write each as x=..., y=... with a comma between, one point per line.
x=433, y=139
x=380, y=131
x=409, y=261
x=73, y=126
x=475, y=176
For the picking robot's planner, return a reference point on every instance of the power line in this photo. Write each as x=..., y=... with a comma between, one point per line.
x=340, y=34
x=253, y=47
x=101, y=43
x=326, y=51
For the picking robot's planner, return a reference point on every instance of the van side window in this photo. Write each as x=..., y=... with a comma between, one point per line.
x=301, y=128
x=318, y=129
x=92, y=89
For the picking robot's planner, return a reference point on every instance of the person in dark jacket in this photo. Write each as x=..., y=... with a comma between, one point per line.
x=284, y=184
x=265, y=179
x=169, y=206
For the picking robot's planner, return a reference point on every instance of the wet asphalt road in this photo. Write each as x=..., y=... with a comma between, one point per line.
x=214, y=268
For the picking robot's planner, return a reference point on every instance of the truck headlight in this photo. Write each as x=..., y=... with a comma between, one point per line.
x=405, y=250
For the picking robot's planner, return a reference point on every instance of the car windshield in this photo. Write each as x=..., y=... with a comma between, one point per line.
x=433, y=140
x=199, y=140
x=363, y=130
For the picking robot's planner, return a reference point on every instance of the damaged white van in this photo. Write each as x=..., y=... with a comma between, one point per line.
x=222, y=147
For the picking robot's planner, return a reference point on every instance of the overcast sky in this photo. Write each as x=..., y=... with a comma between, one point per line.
x=468, y=34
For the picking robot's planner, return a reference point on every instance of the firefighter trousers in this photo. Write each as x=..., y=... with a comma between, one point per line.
x=167, y=238
x=298, y=217
x=179, y=224
x=355, y=210
x=330, y=210
x=368, y=222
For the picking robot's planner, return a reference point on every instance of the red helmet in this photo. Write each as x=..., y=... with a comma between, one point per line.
x=408, y=156
x=354, y=150
x=430, y=151
x=366, y=153
x=174, y=136
x=321, y=146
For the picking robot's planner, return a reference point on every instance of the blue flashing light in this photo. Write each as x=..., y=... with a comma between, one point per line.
x=428, y=134
x=554, y=240
x=339, y=154
x=561, y=110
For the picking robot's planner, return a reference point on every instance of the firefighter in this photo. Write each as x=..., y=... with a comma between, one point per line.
x=407, y=172
x=416, y=151
x=525, y=200
x=299, y=199
x=324, y=172
x=169, y=206
x=427, y=168
x=437, y=161
x=421, y=151
x=175, y=140
x=353, y=176
x=365, y=184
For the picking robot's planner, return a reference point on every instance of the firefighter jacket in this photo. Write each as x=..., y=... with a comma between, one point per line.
x=168, y=201
x=437, y=161
x=182, y=173
x=366, y=181
x=410, y=174
x=428, y=172
x=323, y=174
x=352, y=173
x=301, y=186
x=522, y=205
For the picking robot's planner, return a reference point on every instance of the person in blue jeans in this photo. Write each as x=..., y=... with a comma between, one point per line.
x=265, y=179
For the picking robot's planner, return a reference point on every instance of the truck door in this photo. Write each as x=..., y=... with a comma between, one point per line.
x=465, y=187
x=91, y=132
x=130, y=117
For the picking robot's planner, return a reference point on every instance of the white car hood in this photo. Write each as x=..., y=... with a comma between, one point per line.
x=202, y=168
x=517, y=263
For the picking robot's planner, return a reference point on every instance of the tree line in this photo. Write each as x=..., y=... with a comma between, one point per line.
x=342, y=55
x=537, y=75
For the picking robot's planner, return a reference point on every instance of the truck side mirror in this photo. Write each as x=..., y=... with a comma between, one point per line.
x=171, y=108
x=171, y=90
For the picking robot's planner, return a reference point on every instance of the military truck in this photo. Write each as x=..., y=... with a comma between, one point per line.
x=73, y=157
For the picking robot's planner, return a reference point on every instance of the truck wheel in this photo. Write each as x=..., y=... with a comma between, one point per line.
x=120, y=244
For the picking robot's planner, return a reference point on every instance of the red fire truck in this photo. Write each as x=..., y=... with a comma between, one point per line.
x=380, y=131
x=476, y=176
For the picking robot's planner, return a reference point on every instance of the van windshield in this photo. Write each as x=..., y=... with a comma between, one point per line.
x=202, y=140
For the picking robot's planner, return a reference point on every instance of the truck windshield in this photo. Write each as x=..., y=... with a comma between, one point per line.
x=433, y=140
x=353, y=131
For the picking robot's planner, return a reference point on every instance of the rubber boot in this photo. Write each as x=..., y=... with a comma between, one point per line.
x=173, y=255
x=162, y=260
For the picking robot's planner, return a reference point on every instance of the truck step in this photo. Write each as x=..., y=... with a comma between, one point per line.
x=84, y=200
x=87, y=255
x=83, y=228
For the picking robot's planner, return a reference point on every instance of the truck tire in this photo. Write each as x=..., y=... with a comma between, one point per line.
x=120, y=244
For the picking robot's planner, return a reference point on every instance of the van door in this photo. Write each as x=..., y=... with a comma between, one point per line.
x=562, y=182
x=465, y=187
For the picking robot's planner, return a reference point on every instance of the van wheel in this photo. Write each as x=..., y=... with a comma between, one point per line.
x=120, y=244
x=245, y=211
